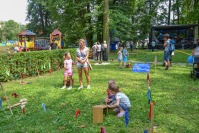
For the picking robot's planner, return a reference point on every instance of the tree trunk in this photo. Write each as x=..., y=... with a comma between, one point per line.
x=106, y=24
x=178, y=11
x=169, y=12
x=99, y=28
x=99, y=24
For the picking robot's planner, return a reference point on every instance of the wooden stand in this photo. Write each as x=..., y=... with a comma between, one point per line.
x=98, y=113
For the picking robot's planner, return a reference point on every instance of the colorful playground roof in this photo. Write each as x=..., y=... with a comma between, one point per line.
x=26, y=33
x=56, y=32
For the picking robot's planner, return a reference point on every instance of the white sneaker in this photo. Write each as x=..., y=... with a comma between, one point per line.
x=88, y=87
x=70, y=87
x=80, y=87
x=63, y=87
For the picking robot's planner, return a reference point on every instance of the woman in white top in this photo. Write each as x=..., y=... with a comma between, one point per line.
x=82, y=54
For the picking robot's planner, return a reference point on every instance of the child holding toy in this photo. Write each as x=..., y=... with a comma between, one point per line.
x=68, y=70
x=109, y=97
x=120, y=57
x=122, y=102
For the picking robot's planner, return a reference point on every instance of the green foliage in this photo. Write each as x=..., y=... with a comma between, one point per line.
x=39, y=18
x=10, y=29
x=31, y=63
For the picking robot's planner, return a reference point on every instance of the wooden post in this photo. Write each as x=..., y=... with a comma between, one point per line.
x=152, y=117
x=4, y=91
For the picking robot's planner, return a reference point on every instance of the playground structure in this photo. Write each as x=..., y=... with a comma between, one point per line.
x=26, y=39
x=56, y=39
x=29, y=41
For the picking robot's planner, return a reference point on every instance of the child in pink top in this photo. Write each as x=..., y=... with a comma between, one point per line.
x=68, y=70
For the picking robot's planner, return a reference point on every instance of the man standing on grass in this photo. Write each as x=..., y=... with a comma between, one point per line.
x=166, y=50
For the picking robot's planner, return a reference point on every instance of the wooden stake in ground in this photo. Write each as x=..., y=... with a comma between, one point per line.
x=152, y=116
x=155, y=61
x=4, y=91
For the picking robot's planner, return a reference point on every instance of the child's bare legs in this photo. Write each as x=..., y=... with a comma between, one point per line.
x=124, y=64
x=120, y=64
x=122, y=108
x=71, y=82
x=65, y=81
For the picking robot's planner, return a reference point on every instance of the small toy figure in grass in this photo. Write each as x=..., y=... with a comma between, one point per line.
x=68, y=70
x=121, y=102
x=109, y=97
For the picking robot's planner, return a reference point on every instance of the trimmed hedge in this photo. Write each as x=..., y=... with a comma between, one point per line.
x=17, y=65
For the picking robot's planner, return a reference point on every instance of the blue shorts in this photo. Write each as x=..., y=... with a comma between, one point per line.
x=79, y=65
x=166, y=55
x=122, y=105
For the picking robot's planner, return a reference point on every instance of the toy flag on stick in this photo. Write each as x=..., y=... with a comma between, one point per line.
x=126, y=116
x=148, y=95
x=77, y=113
x=50, y=69
x=43, y=106
x=58, y=119
x=151, y=110
x=148, y=78
x=103, y=130
x=0, y=103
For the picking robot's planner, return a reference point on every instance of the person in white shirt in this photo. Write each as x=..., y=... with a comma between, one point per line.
x=99, y=48
x=82, y=54
x=104, y=52
x=94, y=50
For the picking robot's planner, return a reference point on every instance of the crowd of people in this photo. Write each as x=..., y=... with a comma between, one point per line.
x=100, y=51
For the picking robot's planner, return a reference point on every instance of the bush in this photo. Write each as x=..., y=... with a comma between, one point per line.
x=17, y=65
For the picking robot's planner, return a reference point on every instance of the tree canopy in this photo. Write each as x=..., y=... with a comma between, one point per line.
x=84, y=18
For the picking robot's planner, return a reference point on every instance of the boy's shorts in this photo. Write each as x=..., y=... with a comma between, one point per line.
x=166, y=55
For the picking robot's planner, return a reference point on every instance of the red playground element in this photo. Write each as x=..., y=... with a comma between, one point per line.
x=103, y=130
x=15, y=95
x=77, y=113
x=151, y=110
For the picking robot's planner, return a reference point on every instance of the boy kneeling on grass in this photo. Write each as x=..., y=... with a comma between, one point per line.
x=121, y=101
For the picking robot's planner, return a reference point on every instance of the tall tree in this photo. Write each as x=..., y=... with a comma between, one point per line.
x=39, y=17
x=106, y=24
x=10, y=30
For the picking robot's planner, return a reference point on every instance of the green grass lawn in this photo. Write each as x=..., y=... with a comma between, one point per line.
x=175, y=94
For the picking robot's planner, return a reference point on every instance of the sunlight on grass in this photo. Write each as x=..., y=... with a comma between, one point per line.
x=175, y=94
